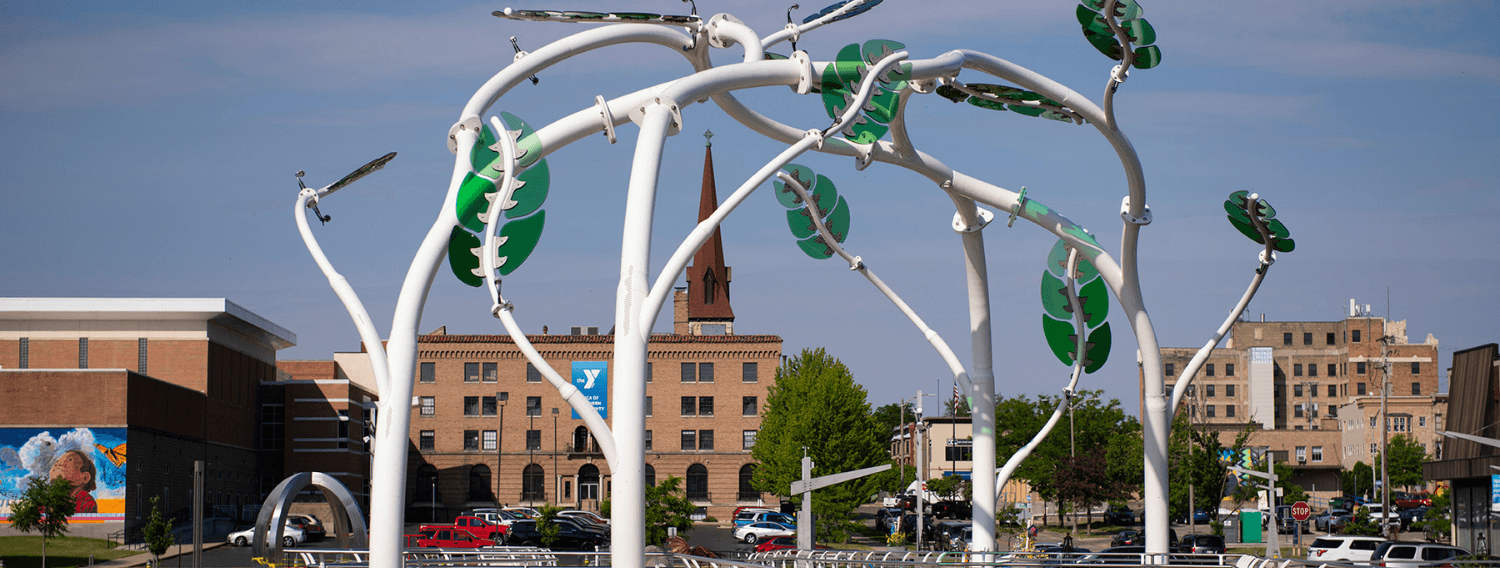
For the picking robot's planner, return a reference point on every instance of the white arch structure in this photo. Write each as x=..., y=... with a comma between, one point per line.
x=658, y=112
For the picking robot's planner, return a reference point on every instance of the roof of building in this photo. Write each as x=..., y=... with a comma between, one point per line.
x=655, y=338
x=220, y=311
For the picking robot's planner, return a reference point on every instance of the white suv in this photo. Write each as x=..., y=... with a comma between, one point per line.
x=1343, y=548
x=1414, y=554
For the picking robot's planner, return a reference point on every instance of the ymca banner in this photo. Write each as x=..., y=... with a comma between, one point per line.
x=592, y=379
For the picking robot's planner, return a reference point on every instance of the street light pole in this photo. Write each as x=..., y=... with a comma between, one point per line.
x=500, y=443
x=556, y=475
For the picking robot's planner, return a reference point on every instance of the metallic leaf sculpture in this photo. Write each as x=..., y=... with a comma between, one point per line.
x=1238, y=207
x=842, y=78
x=832, y=209
x=862, y=8
x=1059, y=323
x=477, y=205
x=1005, y=97
x=1126, y=15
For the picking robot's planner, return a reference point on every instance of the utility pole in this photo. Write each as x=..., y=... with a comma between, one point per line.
x=1385, y=432
x=921, y=467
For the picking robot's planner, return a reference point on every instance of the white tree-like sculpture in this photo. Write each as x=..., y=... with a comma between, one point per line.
x=491, y=219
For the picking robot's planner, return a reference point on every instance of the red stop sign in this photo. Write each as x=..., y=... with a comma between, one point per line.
x=1301, y=511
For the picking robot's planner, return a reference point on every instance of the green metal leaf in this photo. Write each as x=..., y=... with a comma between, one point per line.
x=1061, y=337
x=824, y=195
x=528, y=146
x=1106, y=44
x=1124, y=9
x=1140, y=31
x=1055, y=297
x=531, y=191
x=636, y=15
x=773, y=56
x=1057, y=262
x=986, y=103
x=863, y=130
x=876, y=49
x=801, y=223
x=815, y=248
x=519, y=239
x=1277, y=229
x=1284, y=245
x=953, y=94
x=882, y=106
x=485, y=156
x=1236, y=212
x=474, y=196
x=803, y=174
x=1147, y=57
x=461, y=257
x=850, y=65
x=1097, y=349
x=583, y=15
x=1092, y=21
x=835, y=97
x=1247, y=229
x=1094, y=297
x=838, y=220
x=896, y=78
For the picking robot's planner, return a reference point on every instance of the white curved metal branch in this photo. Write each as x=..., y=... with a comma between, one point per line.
x=574, y=397
x=793, y=30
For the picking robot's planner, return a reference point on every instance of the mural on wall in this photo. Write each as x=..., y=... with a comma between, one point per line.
x=93, y=459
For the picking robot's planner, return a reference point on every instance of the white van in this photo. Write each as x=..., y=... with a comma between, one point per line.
x=1343, y=548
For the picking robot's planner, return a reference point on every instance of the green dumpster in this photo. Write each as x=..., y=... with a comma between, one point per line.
x=1250, y=526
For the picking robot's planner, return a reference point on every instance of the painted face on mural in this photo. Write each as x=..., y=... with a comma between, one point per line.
x=75, y=468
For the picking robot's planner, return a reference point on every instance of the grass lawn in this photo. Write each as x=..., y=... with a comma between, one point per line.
x=62, y=552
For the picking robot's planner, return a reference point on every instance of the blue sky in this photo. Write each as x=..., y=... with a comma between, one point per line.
x=148, y=151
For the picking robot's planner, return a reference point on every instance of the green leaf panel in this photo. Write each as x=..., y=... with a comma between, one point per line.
x=1124, y=9
x=1247, y=230
x=1095, y=299
x=461, y=259
x=896, y=78
x=986, y=103
x=1055, y=297
x=1266, y=210
x=815, y=248
x=1098, y=349
x=803, y=174
x=835, y=96
x=1240, y=199
x=838, y=220
x=1147, y=57
x=520, y=237
x=1057, y=262
x=1277, y=229
x=528, y=146
x=848, y=63
x=472, y=201
x=801, y=223
x=1284, y=245
x=1106, y=44
x=882, y=106
x=534, y=183
x=1061, y=337
x=1092, y=21
x=876, y=49
x=952, y=93
x=863, y=131
x=1236, y=212
x=1140, y=31
x=773, y=56
x=485, y=154
x=824, y=195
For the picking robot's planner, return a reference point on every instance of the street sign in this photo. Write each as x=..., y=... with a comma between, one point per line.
x=1301, y=511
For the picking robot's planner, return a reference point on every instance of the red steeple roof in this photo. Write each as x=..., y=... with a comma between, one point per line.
x=708, y=278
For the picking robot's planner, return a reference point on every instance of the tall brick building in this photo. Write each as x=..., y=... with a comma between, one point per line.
x=1310, y=391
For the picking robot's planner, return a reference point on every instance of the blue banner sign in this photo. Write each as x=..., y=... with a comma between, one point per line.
x=592, y=378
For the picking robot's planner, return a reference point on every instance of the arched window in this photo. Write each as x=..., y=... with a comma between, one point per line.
x=697, y=482
x=747, y=487
x=479, y=483
x=533, y=483
x=588, y=482
x=650, y=475
x=426, y=483
x=583, y=442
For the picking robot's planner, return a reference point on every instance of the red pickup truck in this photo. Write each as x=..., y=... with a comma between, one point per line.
x=449, y=537
x=473, y=526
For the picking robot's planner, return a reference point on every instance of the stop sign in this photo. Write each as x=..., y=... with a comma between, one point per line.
x=1301, y=511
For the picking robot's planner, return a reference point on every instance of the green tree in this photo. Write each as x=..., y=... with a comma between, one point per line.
x=815, y=406
x=1361, y=525
x=1359, y=479
x=158, y=532
x=1195, y=459
x=1290, y=492
x=888, y=417
x=1097, y=427
x=666, y=508
x=950, y=487
x=1407, y=457
x=895, y=479
x=1437, y=521
x=956, y=407
x=548, y=530
x=1083, y=480
x=44, y=507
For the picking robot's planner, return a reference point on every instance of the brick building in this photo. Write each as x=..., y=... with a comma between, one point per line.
x=313, y=417
x=1310, y=391
x=139, y=389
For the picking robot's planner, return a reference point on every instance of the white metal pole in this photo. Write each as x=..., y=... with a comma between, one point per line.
x=981, y=395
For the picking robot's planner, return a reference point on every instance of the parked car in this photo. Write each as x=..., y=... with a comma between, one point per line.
x=451, y=537
x=308, y=524
x=886, y=518
x=290, y=536
x=569, y=537
x=1343, y=548
x=1128, y=538
x=782, y=543
x=746, y=515
x=1402, y=500
x=1202, y=544
x=1348, y=502
x=1200, y=517
x=952, y=509
x=773, y=517
x=1414, y=554
x=1409, y=516
x=585, y=517
x=754, y=532
x=1378, y=516
x=1120, y=515
x=1331, y=518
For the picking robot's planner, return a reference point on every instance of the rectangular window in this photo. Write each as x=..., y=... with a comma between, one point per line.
x=648, y=406
x=689, y=372
x=1416, y=389
x=533, y=406
x=1229, y=411
x=1330, y=338
x=1169, y=369
x=689, y=406
x=705, y=406
x=343, y=434
x=1400, y=423
x=1333, y=370
x=532, y=374
x=1373, y=451
x=1229, y=390
x=1312, y=390
x=1209, y=370
x=1307, y=338
x=1229, y=369
x=1422, y=421
x=471, y=406
x=1297, y=411
x=490, y=441
x=491, y=372
x=1359, y=368
x=1354, y=336
x=705, y=439
x=705, y=372
x=648, y=440
x=1286, y=338
x=1372, y=421
x=25, y=353
x=689, y=440
x=1359, y=389
x=83, y=353
x=1416, y=367
x=533, y=440
x=1333, y=390
x=1297, y=389
x=749, y=405
x=748, y=441
x=649, y=371
x=429, y=372
x=1301, y=453
x=140, y=356
x=471, y=372
x=1208, y=390
x=750, y=372
x=487, y=405
x=471, y=440
x=429, y=406
x=1312, y=369
x=1297, y=371
x=272, y=427
x=1317, y=453
x=428, y=440
x=1209, y=411
x=953, y=453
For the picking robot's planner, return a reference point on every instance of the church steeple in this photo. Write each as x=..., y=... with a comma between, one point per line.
x=708, y=277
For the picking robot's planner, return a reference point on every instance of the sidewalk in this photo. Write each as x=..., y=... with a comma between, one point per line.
x=144, y=558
